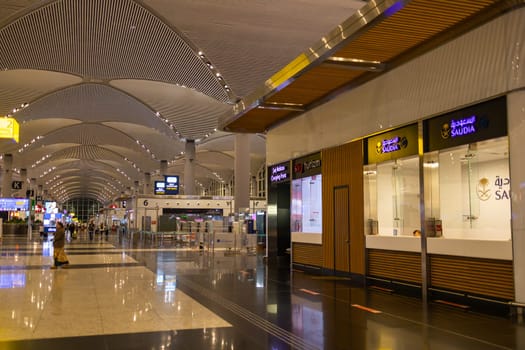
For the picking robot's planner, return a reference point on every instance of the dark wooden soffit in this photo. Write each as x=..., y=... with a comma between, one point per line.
x=353, y=53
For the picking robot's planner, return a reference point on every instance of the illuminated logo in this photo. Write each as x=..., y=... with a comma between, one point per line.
x=299, y=168
x=391, y=145
x=460, y=127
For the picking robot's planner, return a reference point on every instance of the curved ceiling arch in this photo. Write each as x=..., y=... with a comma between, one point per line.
x=178, y=106
x=89, y=134
x=93, y=103
x=131, y=42
x=22, y=86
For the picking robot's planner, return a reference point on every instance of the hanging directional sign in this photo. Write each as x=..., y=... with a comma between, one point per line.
x=16, y=185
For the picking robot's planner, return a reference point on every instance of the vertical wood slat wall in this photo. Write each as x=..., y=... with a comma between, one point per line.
x=343, y=165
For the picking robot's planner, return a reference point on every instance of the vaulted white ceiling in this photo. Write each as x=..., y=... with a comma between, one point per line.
x=104, y=90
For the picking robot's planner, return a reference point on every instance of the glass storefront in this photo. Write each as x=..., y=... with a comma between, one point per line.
x=467, y=191
x=307, y=204
x=391, y=183
x=466, y=174
x=392, y=197
x=306, y=214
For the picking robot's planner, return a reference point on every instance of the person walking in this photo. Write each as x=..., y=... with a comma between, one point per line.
x=59, y=242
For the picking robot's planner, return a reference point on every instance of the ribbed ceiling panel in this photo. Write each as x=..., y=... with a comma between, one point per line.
x=105, y=40
x=251, y=40
x=93, y=103
x=92, y=134
x=193, y=114
x=25, y=86
x=91, y=152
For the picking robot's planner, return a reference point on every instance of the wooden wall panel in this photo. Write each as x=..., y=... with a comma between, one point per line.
x=394, y=265
x=343, y=166
x=307, y=254
x=486, y=277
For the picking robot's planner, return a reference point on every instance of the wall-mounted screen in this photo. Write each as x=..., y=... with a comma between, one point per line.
x=160, y=187
x=51, y=207
x=172, y=184
x=14, y=204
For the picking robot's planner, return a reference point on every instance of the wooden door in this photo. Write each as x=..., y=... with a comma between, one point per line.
x=342, y=228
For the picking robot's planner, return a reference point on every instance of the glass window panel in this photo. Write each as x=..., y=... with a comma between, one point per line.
x=306, y=211
x=392, y=197
x=467, y=188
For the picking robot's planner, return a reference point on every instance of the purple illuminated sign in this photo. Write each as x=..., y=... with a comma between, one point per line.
x=391, y=145
x=465, y=126
x=279, y=173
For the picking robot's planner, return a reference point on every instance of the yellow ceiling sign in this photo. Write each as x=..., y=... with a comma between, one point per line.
x=9, y=129
x=290, y=70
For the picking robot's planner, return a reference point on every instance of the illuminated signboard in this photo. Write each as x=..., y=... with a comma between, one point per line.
x=172, y=184
x=476, y=123
x=9, y=129
x=306, y=166
x=279, y=173
x=160, y=187
x=51, y=207
x=391, y=145
x=11, y=204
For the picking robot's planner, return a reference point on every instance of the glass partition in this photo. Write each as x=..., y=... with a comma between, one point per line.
x=307, y=205
x=467, y=191
x=392, y=197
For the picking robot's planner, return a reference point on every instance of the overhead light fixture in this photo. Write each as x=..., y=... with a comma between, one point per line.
x=355, y=63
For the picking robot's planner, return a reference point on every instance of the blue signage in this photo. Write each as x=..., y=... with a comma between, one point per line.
x=14, y=204
x=160, y=187
x=172, y=184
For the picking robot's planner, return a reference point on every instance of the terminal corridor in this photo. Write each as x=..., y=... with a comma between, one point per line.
x=128, y=294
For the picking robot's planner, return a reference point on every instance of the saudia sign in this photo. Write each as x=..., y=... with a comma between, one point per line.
x=391, y=144
x=484, y=121
x=460, y=127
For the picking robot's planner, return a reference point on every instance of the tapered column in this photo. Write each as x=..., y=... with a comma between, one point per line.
x=147, y=183
x=163, y=167
x=242, y=172
x=189, y=168
x=7, y=175
x=136, y=187
x=23, y=178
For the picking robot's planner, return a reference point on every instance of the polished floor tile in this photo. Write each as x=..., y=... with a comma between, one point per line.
x=123, y=294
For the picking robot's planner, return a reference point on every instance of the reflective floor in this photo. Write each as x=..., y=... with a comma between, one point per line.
x=131, y=294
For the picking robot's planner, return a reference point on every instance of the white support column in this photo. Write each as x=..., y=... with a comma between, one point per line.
x=136, y=187
x=242, y=172
x=189, y=168
x=7, y=175
x=147, y=183
x=516, y=127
